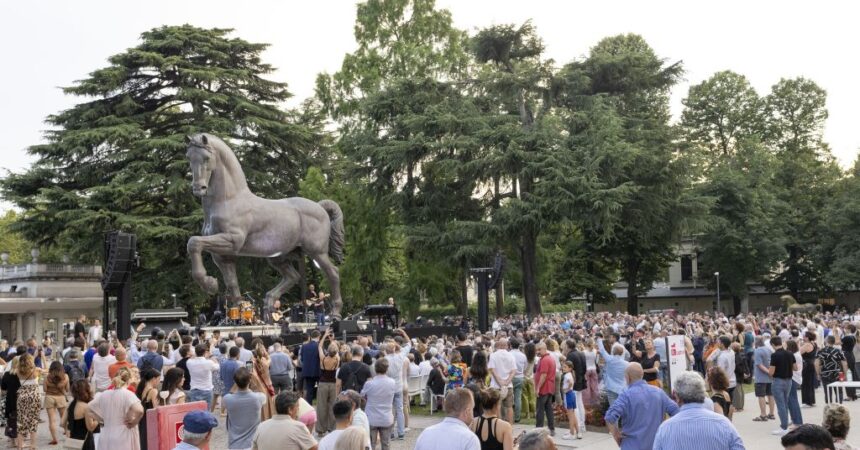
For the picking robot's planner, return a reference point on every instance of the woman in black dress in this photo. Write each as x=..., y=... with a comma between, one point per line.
x=147, y=392
x=10, y=385
x=77, y=424
x=808, y=352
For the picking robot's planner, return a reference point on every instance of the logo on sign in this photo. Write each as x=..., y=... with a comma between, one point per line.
x=179, y=428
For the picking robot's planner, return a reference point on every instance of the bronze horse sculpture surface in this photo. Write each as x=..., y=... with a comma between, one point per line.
x=238, y=223
x=792, y=306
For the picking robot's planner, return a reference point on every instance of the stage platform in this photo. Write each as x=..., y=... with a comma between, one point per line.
x=269, y=330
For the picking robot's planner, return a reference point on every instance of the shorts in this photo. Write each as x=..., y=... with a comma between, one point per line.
x=570, y=400
x=55, y=401
x=763, y=390
x=508, y=400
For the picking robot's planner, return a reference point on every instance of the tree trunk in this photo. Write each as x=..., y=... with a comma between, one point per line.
x=528, y=256
x=500, y=298
x=736, y=304
x=463, y=304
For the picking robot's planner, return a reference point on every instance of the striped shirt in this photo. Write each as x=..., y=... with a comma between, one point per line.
x=695, y=426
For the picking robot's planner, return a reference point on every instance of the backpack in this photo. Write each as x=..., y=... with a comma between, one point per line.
x=76, y=372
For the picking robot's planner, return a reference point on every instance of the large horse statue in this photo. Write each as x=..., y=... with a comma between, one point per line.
x=238, y=223
x=792, y=306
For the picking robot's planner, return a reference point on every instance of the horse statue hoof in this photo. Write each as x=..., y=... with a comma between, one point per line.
x=210, y=285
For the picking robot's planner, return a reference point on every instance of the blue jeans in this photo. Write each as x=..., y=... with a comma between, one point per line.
x=794, y=405
x=781, y=394
x=320, y=318
x=518, y=397
x=611, y=397
x=196, y=395
x=399, y=419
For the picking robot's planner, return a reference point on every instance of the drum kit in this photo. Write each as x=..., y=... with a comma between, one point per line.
x=242, y=313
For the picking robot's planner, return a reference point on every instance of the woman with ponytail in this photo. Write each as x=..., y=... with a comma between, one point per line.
x=120, y=411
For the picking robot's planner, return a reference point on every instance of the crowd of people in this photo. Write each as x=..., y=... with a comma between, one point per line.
x=327, y=393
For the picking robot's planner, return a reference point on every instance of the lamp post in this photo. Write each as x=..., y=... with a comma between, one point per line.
x=717, y=274
x=174, y=300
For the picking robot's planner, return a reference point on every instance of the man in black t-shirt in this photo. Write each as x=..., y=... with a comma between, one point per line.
x=355, y=373
x=577, y=358
x=782, y=364
x=465, y=349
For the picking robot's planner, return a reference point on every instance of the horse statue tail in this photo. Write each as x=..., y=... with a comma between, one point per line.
x=337, y=237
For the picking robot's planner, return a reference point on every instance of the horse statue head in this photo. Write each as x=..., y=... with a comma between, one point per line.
x=788, y=300
x=203, y=159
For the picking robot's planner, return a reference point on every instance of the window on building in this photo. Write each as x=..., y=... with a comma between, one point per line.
x=686, y=267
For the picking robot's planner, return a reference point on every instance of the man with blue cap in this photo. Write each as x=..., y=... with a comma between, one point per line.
x=196, y=430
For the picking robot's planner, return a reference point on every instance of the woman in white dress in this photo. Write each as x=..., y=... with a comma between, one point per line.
x=120, y=411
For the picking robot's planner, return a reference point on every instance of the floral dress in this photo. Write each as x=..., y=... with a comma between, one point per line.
x=29, y=405
x=456, y=373
x=217, y=383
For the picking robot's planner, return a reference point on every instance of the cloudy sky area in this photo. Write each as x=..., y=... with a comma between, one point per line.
x=48, y=44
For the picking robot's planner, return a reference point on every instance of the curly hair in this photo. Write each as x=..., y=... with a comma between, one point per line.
x=836, y=420
x=717, y=379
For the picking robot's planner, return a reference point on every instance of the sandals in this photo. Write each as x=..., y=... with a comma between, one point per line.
x=760, y=419
x=771, y=417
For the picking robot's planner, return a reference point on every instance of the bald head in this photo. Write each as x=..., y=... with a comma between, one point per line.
x=152, y=345
x=633, y=372
x=119, y=354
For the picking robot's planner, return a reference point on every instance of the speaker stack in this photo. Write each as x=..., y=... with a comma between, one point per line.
x=120, y=250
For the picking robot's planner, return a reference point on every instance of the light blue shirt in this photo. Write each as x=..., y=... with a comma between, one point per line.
x=660, y=348
x=761, y=356
x=641, y=408
x=695, y=427
x=449, y=434
x=280, y=364
x=613, y=371
x=379, y=392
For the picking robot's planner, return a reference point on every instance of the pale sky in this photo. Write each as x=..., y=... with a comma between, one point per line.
x=47, y=44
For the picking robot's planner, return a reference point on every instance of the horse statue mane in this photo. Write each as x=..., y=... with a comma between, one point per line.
x=238, y=223
x=793, y=306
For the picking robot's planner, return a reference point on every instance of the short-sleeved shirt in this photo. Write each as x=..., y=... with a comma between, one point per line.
x=761, y=356
x=781, y=361
x=282, y=432
x=466, y=351
x=503, y=365
x=648, y=363
x=449, y=434
x=546, y=365
x=227, y=370
x=243, y=417
x=280, y=364
x=831, y=362
x=395, y=369
x=354, y=372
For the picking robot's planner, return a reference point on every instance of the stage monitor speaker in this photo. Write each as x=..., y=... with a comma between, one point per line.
x=346, y=326
x=247, y=336
x=119, y=251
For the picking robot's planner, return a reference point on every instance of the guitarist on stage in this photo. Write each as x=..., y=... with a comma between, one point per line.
x=317, y=304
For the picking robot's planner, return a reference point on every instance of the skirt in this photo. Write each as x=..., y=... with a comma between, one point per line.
x=29, y=406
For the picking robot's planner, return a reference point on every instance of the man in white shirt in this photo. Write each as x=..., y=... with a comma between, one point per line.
x=519, y=376
x=503, y=368
x=95, y=332
x=200, y=369
x=99, y=368
x=245, y=355
x=342, y=410
x=398, y=369
x=453, y=432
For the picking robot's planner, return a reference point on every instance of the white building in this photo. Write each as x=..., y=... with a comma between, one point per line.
x=38, y=299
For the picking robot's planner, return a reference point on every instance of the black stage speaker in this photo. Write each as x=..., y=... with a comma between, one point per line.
x=119, y=259
x=346, y=326
x=247, y=336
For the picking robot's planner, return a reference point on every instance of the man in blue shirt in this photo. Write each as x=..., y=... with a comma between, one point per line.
x=695, y=426
x=640, y=408
x=228, y=368
x=613, y=374
x=763, y=380
x=310, y=358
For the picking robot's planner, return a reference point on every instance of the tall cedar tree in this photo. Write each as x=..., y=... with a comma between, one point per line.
x=117, y=159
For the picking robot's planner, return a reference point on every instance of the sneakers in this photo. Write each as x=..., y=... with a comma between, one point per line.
x=552, y=433
x=568, y=436
x=579, y=435
x=779, y=432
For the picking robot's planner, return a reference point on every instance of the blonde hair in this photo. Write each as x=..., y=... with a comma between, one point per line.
x=122, y=378
x=552, y=345
x=26, y=367
x=352, y=438
x=836, y=420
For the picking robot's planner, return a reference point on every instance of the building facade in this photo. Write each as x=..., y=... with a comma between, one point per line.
x=38, y=300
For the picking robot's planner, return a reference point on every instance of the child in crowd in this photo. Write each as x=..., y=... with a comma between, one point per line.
x=570, y=401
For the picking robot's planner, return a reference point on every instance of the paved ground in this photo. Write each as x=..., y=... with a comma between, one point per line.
x=756, y=435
